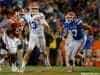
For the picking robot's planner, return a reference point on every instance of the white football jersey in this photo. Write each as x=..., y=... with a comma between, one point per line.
x=35, y=22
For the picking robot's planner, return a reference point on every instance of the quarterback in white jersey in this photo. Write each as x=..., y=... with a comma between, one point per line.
x=36, y=30
x=36, y=23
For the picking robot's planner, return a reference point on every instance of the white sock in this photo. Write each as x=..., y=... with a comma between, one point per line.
x=23, y=64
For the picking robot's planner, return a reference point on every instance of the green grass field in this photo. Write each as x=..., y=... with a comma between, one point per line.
x=38, y=70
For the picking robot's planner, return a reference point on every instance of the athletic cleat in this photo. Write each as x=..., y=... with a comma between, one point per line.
x=22, y=69
x=14, y=68
x=69, y=71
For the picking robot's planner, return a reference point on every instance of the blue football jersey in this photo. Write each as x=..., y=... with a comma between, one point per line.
x=75, y=27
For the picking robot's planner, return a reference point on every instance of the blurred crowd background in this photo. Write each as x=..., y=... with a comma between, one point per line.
x=87, y=10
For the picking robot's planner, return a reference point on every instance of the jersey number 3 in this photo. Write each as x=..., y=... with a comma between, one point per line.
x=34, y=25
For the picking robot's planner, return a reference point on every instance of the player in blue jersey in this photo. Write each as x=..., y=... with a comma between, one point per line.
x=73, y=27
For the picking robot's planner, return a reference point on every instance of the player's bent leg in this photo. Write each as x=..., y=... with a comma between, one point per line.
x=70, y=54
x=76, y=46
x=25, y=60
x=44, y=50
x=67, y=51
x=67, y=57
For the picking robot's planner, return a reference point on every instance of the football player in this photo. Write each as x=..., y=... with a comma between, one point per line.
x=36, y=23
x=75, y=34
